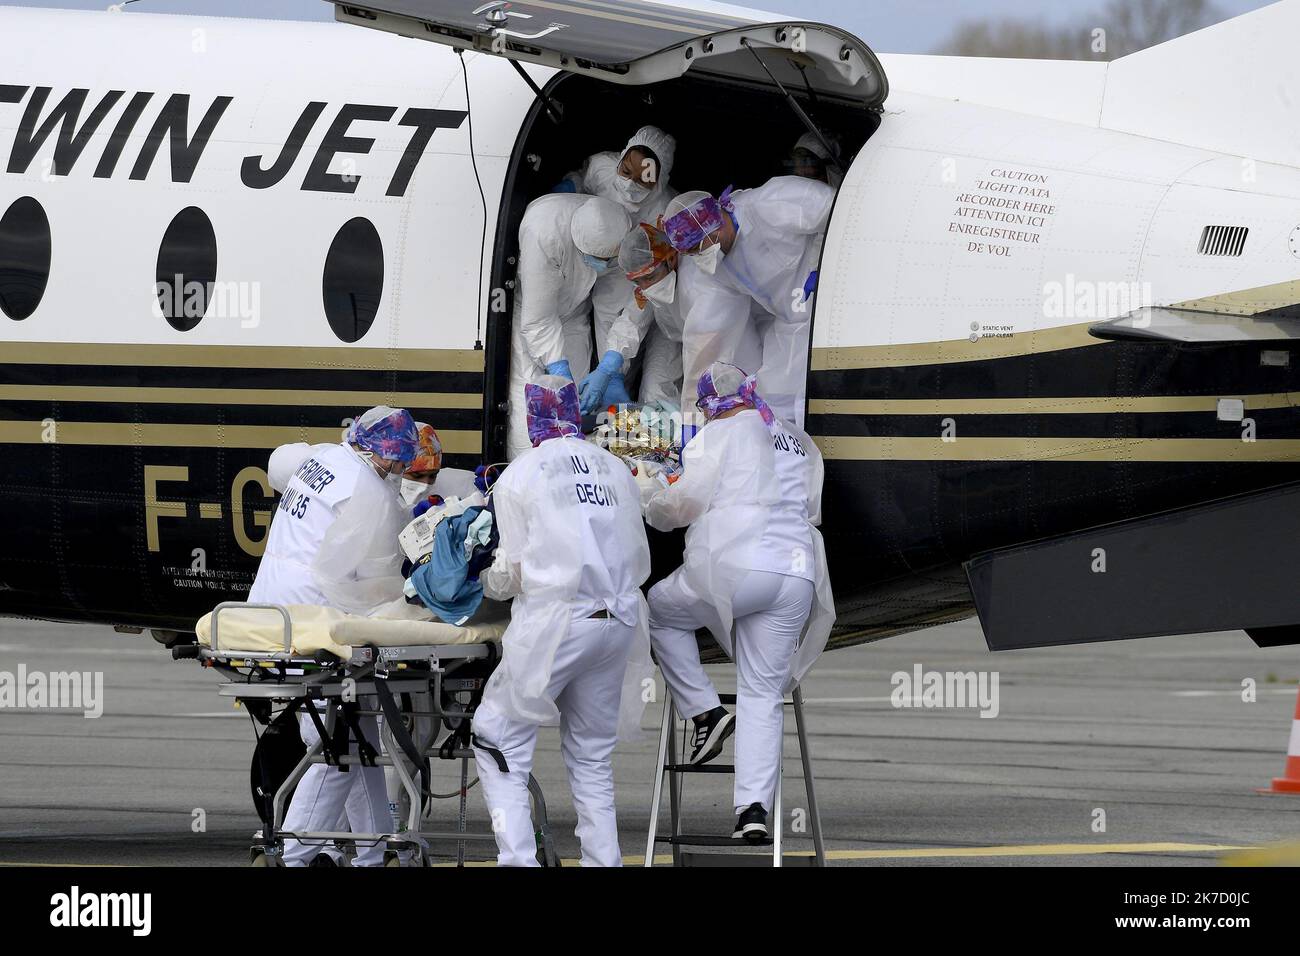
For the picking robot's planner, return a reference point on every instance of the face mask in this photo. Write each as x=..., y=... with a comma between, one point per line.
x=663, y=291
x=369, y=458
x=599, y=266
x=631, y=190
x=414, y=492
x=708, y=259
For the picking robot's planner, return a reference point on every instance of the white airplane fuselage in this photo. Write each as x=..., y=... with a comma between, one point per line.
x=954, y=389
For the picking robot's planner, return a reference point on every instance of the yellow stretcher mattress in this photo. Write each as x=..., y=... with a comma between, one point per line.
x=326, y=629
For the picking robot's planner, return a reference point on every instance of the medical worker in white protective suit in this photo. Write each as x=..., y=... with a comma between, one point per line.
x=638, y=180
x=750, y=498
x=810, y=158
x=573, y=554
x=333, y=543
x=759, y=246
x=566, y=242
x=650, y=264
x=667, y=285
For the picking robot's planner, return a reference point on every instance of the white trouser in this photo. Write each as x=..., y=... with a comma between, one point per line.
x=661, y=368
x=770, y=611
x=325, y=795
x=586, y=685
x=783, y=376
x=523, y=369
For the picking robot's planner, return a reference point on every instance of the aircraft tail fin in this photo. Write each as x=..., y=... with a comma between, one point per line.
x=1233, y=88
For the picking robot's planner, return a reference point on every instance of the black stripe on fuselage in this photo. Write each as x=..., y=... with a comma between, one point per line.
x=1269, y=423
x=1107, y=369
x=306, y=415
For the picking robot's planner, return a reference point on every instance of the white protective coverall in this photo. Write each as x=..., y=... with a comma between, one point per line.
x=719, y=324
x=599, y=177
x=552, y=310
x=780, y=229
x=657, y=332
x=754, y=559
x=572, y=546
x=333, y=542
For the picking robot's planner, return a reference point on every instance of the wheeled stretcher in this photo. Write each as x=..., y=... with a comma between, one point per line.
x=429, y=680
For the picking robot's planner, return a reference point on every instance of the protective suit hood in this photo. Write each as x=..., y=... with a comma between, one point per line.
x=661, y=144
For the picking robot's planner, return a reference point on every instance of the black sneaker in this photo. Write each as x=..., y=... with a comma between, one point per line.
x=751, y=824
x=711, y=732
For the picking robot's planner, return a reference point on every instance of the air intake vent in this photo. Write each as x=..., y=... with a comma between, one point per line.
x=1223, y=240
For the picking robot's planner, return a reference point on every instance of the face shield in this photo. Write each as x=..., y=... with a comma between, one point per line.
x=692, y=219
x=724, y=387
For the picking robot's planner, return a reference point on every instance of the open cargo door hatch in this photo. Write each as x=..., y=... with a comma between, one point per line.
x=633, y=42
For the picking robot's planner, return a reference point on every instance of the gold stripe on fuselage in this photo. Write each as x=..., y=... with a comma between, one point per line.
x=126, y=394
x=153, y=435
x=989, y=346
x=1081, y=405
x=1263, y=298
x=841, y=448
x=342, y=358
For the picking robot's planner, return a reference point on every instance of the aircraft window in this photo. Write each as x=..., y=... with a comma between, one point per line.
x=354, y=279
x=24, y=257
x=187, y=268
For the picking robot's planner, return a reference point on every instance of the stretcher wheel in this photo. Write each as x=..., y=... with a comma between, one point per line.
x=257, y=856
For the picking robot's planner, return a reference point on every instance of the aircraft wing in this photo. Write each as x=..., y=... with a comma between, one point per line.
x=1267, y=314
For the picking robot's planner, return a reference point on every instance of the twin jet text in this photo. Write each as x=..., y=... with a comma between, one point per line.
x=74, y=120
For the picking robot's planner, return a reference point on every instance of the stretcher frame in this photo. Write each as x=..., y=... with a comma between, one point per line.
x=324, y=678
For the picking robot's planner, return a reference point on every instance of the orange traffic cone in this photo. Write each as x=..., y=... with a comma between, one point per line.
x=1290, y=781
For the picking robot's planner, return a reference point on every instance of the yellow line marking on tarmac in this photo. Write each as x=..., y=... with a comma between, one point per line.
x=67, y=866
x=916, y=853
x=921, y=853
x=1038, y=849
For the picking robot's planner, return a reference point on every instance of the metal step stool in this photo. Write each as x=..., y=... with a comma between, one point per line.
x=683, y=844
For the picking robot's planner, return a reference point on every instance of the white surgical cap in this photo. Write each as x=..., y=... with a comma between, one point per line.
x=661, y=144
x=598, y=227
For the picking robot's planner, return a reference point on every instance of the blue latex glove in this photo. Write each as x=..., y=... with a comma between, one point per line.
x=565, y=186
x=615, y=392
x=422, y=506
x=560, y=368
x=591, y=392
x=810, y=285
